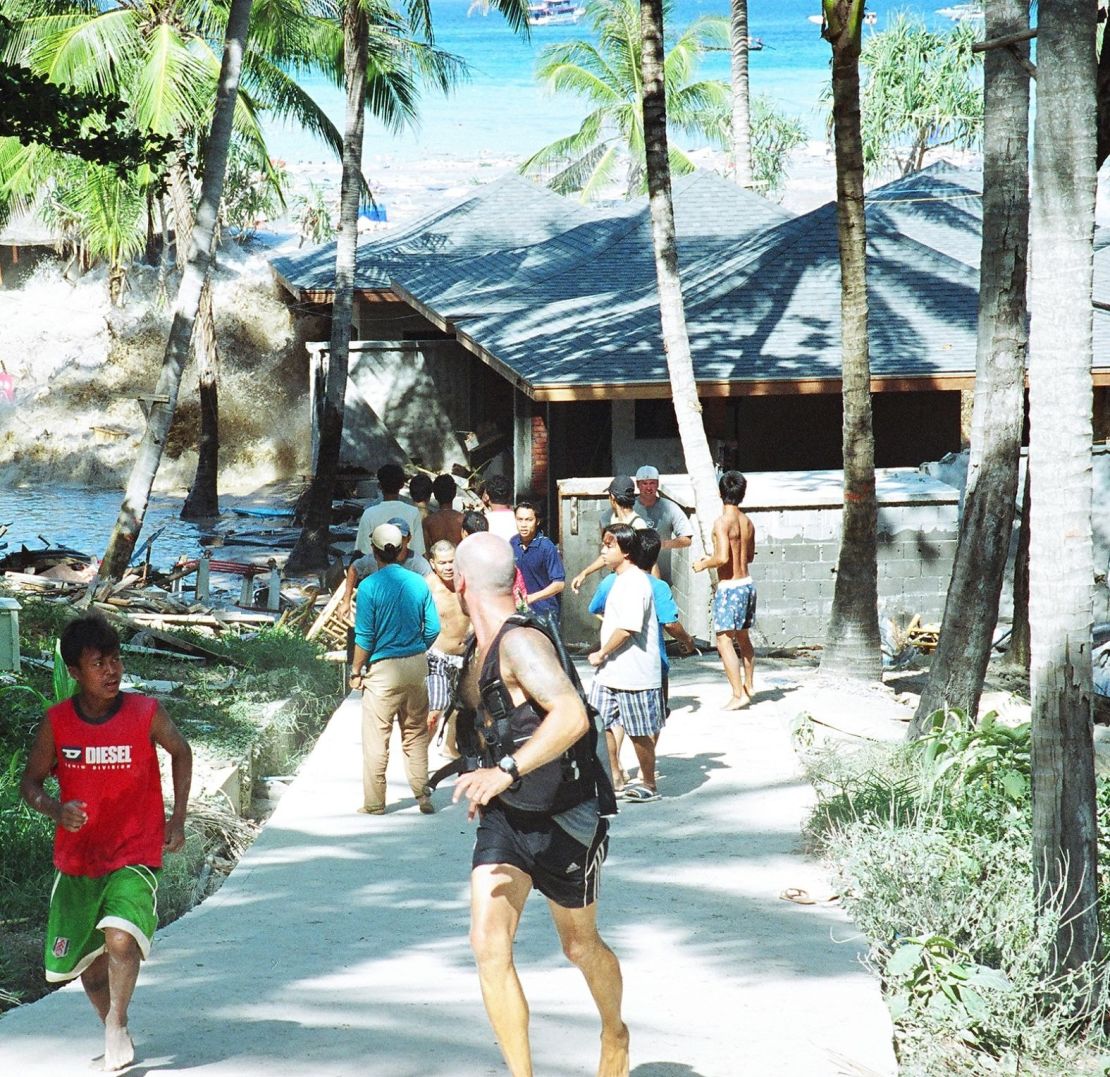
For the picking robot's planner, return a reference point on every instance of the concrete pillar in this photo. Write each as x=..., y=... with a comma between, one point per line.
x=273, y=592
x=9, y=634
x=522, y=444
x=204, y=567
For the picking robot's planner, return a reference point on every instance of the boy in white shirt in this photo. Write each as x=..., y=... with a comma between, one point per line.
x=627, y=688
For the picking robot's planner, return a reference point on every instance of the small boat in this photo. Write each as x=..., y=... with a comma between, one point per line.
x=817, y=20
x=263, y=512
x=554, y=13
x=755, y=44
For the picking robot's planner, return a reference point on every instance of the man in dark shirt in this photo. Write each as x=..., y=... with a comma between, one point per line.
x=538, y=560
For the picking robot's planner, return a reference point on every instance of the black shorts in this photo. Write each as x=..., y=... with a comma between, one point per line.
x=562, y=869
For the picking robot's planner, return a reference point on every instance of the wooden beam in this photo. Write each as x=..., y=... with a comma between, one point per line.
x=1004, y=41
x=659, y=390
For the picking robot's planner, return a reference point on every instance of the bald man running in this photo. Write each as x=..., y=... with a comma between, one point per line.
x=559, y=854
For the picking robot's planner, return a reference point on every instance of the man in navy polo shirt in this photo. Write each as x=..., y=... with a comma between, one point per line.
x=538, y=560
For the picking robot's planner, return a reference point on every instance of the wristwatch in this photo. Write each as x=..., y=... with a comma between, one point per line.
x=508, y=765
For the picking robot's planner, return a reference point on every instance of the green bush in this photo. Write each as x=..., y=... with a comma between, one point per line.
x=931, y=845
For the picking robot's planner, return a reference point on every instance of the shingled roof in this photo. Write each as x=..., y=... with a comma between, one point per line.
x=763, y=310
x=510, y=212
x=562, y=298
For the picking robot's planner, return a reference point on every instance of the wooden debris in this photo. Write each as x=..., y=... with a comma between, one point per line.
x=329, y=625
x=187, y=646
x=923, y=637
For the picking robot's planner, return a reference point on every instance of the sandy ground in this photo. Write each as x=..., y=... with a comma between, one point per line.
x=338, y=946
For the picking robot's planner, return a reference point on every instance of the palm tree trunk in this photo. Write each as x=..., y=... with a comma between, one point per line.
x=130, y=519
x=852, y=642
x=1061, y=557
x=311, y=550
x=1018, y=654
x=676, y=342
x=741, y=110
x=971, y=610
x=204, y=497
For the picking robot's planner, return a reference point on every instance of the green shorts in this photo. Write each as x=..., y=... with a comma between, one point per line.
x=80, y=909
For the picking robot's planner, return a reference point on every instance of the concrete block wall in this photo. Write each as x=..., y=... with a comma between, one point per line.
x=797, y=517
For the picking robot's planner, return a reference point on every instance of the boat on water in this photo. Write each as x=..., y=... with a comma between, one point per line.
x=870, y=18
x=963, y=12
x=755, y=44
x=554, y=13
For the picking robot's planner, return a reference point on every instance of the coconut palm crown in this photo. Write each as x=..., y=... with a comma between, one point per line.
x=606, y=73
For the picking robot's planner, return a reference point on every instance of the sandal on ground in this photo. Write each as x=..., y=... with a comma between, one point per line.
x=797, y=895
x=639, y=793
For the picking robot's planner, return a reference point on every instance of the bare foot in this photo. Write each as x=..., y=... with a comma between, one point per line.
x=614, y=1054
x=119, y=1051
x=737, y=703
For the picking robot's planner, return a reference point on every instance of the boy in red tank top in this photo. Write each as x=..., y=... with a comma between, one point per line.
x=111, y=826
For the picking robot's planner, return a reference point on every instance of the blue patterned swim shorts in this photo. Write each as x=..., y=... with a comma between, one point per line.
x=734, y=605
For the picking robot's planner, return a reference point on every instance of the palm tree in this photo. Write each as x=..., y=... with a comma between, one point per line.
x=607, y=74
x=971, y=610
x=193, y=280
x=741, y=109
x=852, y=640
x=922, y=91
x=672, y=314
x=1065, y=824
x=159, y=58
x=311, y=549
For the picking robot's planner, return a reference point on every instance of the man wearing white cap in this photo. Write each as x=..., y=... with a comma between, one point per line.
x=664, y=515
x=395, y=624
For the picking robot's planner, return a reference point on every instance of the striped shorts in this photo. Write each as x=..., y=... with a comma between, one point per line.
x=641, y=713
x=443, y=671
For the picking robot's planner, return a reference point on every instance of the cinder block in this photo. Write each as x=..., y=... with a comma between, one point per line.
x=802, y=551
x=822, y=525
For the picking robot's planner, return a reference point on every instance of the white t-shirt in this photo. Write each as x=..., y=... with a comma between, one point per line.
x=636, y=666
x=382, y=513
x=502, y=522
x=366, y=565
x=636, y=522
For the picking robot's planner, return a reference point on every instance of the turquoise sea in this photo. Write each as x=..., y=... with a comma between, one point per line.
x=503, y=111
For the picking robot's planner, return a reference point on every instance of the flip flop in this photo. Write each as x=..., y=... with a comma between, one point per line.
x=797, y=895
x=640, y=794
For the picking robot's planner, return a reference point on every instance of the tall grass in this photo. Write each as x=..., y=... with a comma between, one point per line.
x=931, y=846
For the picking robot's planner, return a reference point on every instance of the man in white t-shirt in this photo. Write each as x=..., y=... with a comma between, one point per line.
x=391, y=477
x=627, y=687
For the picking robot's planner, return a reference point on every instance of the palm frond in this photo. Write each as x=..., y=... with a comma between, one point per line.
x=175, y=86
x=286, y=99
x=95, y=54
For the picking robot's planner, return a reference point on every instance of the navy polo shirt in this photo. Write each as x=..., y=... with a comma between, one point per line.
x=541, y=566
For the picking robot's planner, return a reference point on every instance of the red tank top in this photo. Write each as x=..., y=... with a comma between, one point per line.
x=113, y=767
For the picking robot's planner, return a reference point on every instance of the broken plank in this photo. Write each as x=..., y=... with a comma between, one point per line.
x=188, y=646
x=134, y=648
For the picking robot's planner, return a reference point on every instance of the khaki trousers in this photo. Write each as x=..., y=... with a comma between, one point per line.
x=394, y=687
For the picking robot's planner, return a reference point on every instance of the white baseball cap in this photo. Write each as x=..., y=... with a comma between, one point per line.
x=648, y=472
x=386, y=535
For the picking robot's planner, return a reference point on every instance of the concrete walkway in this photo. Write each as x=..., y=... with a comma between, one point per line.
x=338, y=946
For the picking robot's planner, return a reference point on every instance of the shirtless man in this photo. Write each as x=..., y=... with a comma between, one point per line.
x=558, y=854
x=734, y=602
x=446, y=521
x=445, y=655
